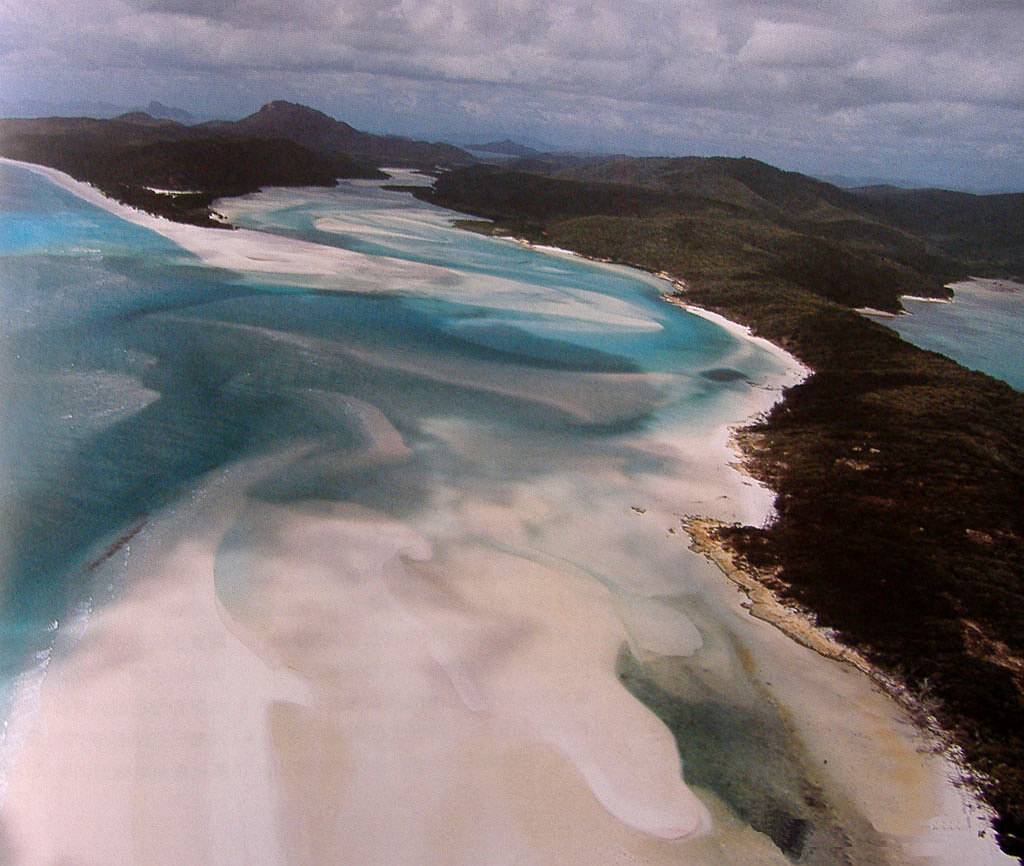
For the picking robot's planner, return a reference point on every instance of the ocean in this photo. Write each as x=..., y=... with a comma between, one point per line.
x=982, y=328
x=354, y=537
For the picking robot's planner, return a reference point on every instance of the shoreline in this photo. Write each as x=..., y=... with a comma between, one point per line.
x=741, y=331
x=799, y=625
x=234, y=249
x=795, y=623
x=764, y=604
x=800, y=371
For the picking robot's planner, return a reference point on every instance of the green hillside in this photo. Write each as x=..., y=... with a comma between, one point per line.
x=745, y=216
x=900, y=474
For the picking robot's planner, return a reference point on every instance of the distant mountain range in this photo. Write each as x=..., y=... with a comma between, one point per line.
x=99, y=110
x=166, y=112
x=320, y=132
x=505, y=148
x=281, y=144
x=894, y=233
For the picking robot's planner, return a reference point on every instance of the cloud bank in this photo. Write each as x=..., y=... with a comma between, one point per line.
x=928, y=89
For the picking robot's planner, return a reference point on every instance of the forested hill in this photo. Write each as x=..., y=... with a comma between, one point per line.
x=281, y=145
x=959, y=231
x=899, y=474
x=987, y=228
x=858, y=248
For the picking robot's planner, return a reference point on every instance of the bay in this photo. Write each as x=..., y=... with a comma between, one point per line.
x=982, y=328
x=368, y=547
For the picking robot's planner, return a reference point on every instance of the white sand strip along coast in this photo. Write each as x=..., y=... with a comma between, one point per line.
x=237, y=249
x=326, y=683
x=272, y=258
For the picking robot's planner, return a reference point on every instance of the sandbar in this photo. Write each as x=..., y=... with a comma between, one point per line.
x=294, y=684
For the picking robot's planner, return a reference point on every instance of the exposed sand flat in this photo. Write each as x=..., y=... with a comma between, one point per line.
x=448, y=661
x=151, y=743
x=264, y=256
x=330, y=685
x=173, y=191
x=335, y=225
x=312, y=683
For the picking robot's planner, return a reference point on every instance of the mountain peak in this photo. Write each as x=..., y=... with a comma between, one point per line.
x=165, y=112
x=321, y=132
x=280, y=110
x=144, y=118
x=301, y=123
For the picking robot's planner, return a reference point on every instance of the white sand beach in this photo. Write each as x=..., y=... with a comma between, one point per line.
x=324, y=682
x=337, y=708
x=337, y=685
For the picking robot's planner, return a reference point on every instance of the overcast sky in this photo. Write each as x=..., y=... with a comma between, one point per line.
x=928, y=91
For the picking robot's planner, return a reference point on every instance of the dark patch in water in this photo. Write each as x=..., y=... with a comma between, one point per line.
x=749, y=758
x=723, y=374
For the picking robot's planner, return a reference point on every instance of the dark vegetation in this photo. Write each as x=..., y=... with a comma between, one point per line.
x=986, y=230
x=281, y=145
x=900, y=474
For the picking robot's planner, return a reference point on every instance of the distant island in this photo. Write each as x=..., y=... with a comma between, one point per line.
x=899, y=474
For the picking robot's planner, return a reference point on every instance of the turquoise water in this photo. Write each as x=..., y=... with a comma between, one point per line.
x=130, y=369
x=513, y=418
x=983, y=328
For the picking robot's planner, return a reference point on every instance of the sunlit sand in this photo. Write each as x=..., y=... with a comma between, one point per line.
x=296, y=679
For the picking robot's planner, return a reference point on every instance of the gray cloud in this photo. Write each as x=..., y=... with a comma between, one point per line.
x=846, y=71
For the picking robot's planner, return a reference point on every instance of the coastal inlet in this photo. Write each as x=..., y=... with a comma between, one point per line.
x=349, y=536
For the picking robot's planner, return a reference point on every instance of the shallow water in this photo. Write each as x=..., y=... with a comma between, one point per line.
x=983, y=328
x=418, y=535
